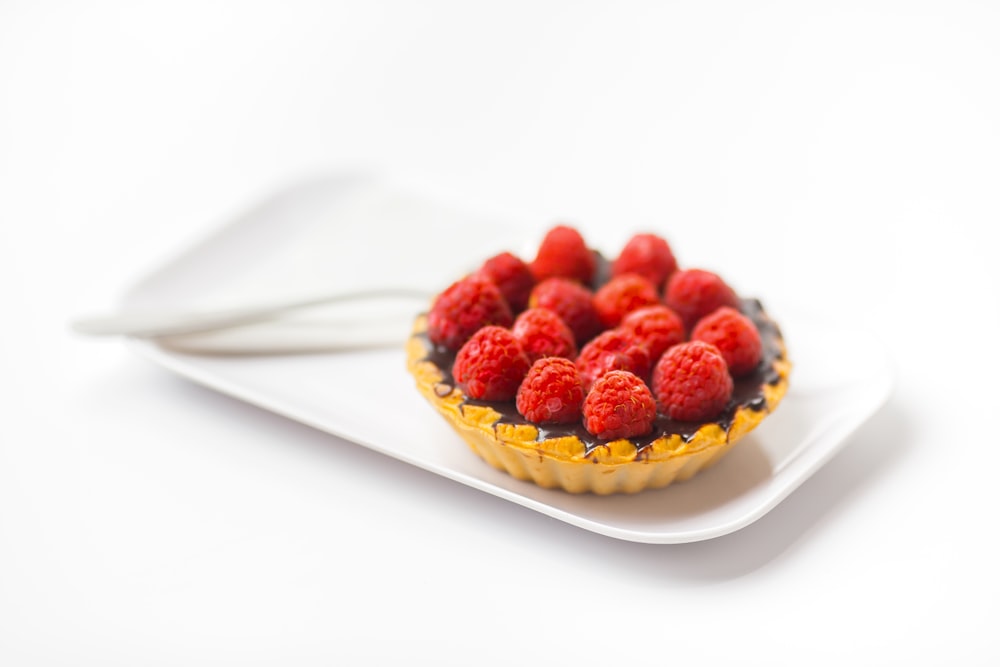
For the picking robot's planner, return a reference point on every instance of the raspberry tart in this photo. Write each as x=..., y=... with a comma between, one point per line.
x=575, y=372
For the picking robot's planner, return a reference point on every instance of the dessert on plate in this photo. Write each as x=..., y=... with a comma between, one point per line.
x=575, y=372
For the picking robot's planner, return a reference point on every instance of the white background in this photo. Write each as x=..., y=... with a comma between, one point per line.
x=853, y=147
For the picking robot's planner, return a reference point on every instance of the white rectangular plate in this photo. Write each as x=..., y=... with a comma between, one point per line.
x=323, y=235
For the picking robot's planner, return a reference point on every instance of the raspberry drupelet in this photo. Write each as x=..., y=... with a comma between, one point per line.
x=564, y=254
x=572, y=302
x=691, y=382
x=619, y=405
x=465, y=307
x=542, y=333
x=551, y=393
x=491, y=365
x=694, y=293
x=512, y=276
x=736, y=337
x=648, y=255
x=656, y=327
x=613, y=350
x=621, y=295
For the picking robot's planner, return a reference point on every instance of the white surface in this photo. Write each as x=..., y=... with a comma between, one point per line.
x=840, y=378
x=146, y=520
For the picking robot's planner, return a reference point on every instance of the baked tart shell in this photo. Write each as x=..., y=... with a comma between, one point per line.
x=575, y=462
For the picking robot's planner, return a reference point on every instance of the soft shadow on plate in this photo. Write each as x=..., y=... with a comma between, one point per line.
x=744, y=468
x=873, y=449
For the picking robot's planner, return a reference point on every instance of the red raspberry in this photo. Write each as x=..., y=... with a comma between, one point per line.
x=552, y=392
x=563, y=253
x=512, y=276
x=649, y=256
x=735, y=335
x=656, y=327
x=621, y=295
x=465, y=307
x=572, y=302
x=491, y=365
x=543, y=334
x=691, y=382
x=613, y=350
x=620, y=405
x=694, y=293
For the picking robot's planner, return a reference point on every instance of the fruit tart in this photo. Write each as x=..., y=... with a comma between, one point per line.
x=575, y=372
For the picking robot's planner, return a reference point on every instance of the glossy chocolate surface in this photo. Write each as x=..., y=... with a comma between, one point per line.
x=748, y=391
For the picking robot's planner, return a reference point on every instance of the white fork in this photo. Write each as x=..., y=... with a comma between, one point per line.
x=187, y=329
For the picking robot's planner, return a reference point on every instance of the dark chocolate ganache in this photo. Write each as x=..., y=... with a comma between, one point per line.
x=748, y=390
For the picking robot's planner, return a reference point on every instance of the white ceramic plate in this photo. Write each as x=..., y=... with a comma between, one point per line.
x=322, y=236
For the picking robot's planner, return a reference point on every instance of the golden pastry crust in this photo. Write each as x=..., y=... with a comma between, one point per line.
x=618, y=466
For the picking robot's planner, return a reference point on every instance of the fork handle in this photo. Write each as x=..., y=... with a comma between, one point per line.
x=157, y=324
